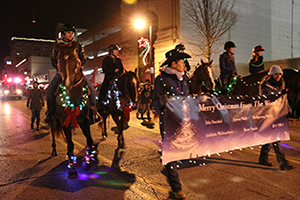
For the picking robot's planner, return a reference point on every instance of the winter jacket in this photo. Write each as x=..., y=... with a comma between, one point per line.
x=146, y=95
x=269, y=85
x=80, y=53
x=35, y=99
x=109, y=65
x=256, y=66
x=168, y=84
x=227, y=67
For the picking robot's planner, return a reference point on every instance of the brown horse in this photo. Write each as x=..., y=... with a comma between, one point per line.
x=121, y=93
x=202, y=80
x=71, y=104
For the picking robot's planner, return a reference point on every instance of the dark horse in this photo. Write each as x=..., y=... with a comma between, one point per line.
x=71, y=104
x=246, y=85
x=202, y=81
x=292, y=83
x=121, y=93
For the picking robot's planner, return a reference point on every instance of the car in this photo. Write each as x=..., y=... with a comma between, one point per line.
x=10, y=92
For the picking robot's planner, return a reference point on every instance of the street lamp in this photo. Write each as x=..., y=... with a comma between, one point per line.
x=139, y=24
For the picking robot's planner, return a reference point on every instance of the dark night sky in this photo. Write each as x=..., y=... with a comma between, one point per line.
x=16, y=17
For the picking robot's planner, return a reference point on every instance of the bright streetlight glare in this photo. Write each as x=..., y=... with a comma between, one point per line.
x=139, y=24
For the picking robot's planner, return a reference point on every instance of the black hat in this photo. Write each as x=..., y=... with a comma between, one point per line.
x=258, y=48
x=180, y=47
x=174, y=55
x=113, y=47
x=67, y=27
x=228, y=45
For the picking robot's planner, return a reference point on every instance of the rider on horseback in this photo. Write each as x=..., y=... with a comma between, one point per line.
x=67, y=39
x=256, y=62
x=227, y=65
x=112, y=67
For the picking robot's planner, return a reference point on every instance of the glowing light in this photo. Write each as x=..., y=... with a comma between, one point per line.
x=130, y=1
x=9, y=79
x=144, y=43
x=19, y=91
x=139, y=24
x=17, y=80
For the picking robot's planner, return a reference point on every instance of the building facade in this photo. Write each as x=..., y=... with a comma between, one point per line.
x=22, y=48
x=271, y=23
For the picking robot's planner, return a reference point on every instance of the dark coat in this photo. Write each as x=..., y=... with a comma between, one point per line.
x=35, y=99
x=170, y=85
x=269, y=85
x=80, y=53
x=146, y=95
x=109, y=65
x=227, y=67
x=256, y=66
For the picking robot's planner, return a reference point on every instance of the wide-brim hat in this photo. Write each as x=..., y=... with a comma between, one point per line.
x=173, y=55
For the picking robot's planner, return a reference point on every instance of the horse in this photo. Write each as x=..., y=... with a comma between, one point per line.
x=123, y=91
x=292, y=83
x=202, y=81
x=246, y=85
x=72, y=105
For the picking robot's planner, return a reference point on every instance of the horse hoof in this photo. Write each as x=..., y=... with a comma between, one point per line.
x=54, y=153
x=72, y=174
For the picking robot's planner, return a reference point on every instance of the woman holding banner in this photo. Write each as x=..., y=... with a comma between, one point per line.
x=273, y=83
x=171, y=82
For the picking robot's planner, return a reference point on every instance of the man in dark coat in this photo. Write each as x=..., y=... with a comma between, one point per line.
x=172, y=81
x=35, y=102
x=112, y=67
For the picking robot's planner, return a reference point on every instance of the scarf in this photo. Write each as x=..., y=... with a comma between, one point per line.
x=178, y=74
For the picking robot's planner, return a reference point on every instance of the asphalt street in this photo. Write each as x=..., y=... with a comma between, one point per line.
x=28, y=171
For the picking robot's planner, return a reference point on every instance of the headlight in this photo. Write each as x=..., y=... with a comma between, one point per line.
x=6, y=91
x=19, y=91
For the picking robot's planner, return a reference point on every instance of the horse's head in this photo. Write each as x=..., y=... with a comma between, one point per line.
x=203, y=78
x=69, y=64
x=128, y=84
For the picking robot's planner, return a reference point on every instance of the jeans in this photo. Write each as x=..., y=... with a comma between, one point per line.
x=36, y=114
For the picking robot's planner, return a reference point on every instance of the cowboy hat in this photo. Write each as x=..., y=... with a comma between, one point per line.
x=173, y=55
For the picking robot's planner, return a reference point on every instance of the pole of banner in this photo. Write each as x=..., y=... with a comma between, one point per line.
x=151, y=55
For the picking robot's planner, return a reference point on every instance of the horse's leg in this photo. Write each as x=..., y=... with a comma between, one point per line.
x=119, y=121
x=54, y=152
x=90, y=151
x=70, y=154
x=104, y=134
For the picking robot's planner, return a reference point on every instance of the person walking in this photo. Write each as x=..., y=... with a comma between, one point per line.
x=113, y=68
x=227, y=65
x=171, y=81
x=273, y=83
x=146, y=98
x=35, y=102
x=256, y=62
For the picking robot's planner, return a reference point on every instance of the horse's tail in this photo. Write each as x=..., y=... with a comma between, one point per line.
x=56, y=128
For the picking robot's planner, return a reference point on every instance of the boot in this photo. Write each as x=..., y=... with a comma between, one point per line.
x=32, y=121
x=37, y=124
